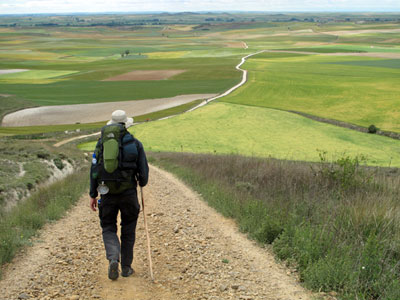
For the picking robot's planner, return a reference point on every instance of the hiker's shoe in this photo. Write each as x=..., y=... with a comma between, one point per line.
x=127, y=271
x=113, y=270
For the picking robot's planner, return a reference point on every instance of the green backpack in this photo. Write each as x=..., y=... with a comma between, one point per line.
x=116, y=154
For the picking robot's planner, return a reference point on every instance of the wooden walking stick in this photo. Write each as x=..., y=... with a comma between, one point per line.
x=148, y=236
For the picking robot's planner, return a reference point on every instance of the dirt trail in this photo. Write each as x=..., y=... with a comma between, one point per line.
x=197, y=254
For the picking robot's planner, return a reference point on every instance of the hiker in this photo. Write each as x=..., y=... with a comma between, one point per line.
x=119, y=163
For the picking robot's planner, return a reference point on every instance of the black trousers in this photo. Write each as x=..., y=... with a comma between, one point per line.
x=129, y=207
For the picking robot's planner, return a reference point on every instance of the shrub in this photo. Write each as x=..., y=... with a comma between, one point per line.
x=58, y=162
x=346, y=171
x=43, y=155
x=372, y=129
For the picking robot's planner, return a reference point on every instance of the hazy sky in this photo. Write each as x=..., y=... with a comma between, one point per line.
x=61, y=6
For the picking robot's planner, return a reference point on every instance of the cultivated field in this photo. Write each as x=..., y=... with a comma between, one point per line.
x=303, y=189
x=91, y=65
x=355, y=89
x=312, y=70
x=237, y=129
x=93, y=112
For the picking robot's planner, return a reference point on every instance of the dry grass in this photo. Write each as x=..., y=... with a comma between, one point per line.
x=336, y=223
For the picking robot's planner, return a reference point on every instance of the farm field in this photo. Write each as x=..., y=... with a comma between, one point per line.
x=342, y=66
x=64, y=65
x=89, y=65
x=224, y=128
x=76, y=65
x=358, y=90
x=57, y=129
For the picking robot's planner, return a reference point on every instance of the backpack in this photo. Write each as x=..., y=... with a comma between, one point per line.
x=116, y=155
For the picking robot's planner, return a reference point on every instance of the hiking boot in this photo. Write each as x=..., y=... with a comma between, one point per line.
x=113, y=272
x=127, y=271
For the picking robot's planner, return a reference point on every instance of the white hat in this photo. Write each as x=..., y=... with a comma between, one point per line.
x=119, y=116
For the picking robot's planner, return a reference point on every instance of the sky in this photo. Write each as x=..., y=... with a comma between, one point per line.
x=69, y=6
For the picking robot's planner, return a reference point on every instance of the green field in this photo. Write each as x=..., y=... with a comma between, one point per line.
x=252, y=131
x=68, y=65
x=358, y=90
x=338, y=66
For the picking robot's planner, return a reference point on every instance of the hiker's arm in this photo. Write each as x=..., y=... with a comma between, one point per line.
x=93, y=186
x=93, y=203
x=143, y=167
x=93, y=191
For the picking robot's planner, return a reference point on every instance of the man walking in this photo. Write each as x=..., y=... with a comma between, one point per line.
x=119, y=164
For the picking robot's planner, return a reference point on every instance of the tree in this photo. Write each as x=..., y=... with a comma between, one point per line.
x=126, y=52
x=122, y=54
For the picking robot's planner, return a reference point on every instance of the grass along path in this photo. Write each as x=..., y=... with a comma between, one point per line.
x=254, y=131
x=335, y=223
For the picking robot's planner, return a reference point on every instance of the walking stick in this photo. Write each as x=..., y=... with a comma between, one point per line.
x=148, y=237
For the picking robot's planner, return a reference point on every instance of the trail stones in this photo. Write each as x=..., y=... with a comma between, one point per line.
x=223, y=287
x=24, y=296
x=235, y=287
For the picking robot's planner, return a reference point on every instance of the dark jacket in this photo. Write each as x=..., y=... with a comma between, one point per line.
x=142, y=172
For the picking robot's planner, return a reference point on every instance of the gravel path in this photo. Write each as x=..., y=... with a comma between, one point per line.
x=197, y=254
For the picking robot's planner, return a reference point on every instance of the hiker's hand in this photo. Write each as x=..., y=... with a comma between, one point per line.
x=93, y=204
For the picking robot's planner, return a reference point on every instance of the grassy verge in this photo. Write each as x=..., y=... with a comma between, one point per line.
x=47, y=204
x=336, y=223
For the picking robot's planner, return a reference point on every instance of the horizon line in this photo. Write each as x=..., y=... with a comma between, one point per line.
x=204, y=11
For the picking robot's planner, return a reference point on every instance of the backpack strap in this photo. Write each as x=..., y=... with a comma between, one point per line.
x=122, y=132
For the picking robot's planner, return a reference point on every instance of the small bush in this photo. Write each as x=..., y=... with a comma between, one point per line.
x=346, y=171
x=62, y=156
x=58, y=162
x=29, y=185
x=43, y=155
x=372, y=129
